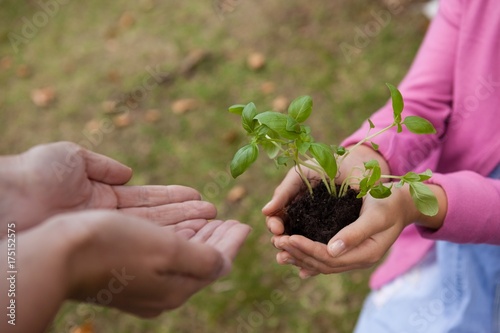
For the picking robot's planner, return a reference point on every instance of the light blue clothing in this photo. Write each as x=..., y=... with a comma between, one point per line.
x=455, y=288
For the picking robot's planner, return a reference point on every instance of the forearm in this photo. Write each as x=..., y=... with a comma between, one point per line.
x=473, y=212
x=38, y=283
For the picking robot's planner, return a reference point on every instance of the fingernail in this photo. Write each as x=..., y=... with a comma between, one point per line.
x=266, y=206
x=336, y=248
x=290, y=261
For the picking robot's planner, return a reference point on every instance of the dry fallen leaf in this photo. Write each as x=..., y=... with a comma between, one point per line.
x=109, y=106
x=23, y=71
x=147, y=5
x=184, y=105
x=113, y=76
x=152, y=116
x=5, y=62
x=231, y=137
x=43, y=97
x=122, y=120
x=280, y=103
x=192, y=60
x=126, y=20
x=111, y=32
x=92, y=125
x=256, y=61
x=268, y=87
x=236, y=194
x=85, y=328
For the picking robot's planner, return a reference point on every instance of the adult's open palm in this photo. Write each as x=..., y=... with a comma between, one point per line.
x=63, y=176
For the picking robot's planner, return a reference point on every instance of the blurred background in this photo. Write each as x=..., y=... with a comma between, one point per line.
x=148, y=83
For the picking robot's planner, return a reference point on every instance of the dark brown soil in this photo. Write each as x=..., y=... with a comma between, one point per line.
x=320, y=216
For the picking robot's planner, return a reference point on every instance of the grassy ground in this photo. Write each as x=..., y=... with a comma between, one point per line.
x=93, y=55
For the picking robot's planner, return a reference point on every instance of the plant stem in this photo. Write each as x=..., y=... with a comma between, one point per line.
x=304, y=178
x=344, y=185
x=391, y=176
x=368, y=138
x=320, y=171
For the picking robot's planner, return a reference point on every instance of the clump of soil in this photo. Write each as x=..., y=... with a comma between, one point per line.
x=321, y=215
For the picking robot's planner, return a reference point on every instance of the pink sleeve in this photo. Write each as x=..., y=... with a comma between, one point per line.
x=427, y=91
x=473, y=214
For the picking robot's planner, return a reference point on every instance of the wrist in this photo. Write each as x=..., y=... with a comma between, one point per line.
x=435, y=222
x=42, y=279
x=80, y=261
x=89, y=260
x=415, y=216
x=11, y=184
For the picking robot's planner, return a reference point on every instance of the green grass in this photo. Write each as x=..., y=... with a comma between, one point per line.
x=87, y=58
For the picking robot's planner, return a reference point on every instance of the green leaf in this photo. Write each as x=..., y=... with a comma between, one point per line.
x=304, y=137
x=243, y=158
x=424, y=199
x=300, y=109
x=410, y=177
x=419, y=125
x=271, y=149
x=283, y=160
x=372, y=125
x=305, y=129
x=277, y=122
x=397, y=102
x=425, y=175
x=237, y=108
x=375, y=176
x=340, y=150
x=380, y=191
x=323, y=155
x=371, y=164
x=374, y=145
x=292, y=125
x=303, y=147
x=363, y=188
x=264, y=134
x=247, y=116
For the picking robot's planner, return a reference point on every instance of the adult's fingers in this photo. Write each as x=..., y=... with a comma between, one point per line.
x=174, y=213
x=196, y=260
x=186, y=233
x=206, y=232
x=153, y=195
x=229, y=237
x=105, y=169
x=194, y=225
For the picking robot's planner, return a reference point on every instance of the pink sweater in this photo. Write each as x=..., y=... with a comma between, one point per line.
x=455, y=83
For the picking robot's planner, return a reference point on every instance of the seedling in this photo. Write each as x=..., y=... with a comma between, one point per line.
x=287, y=140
